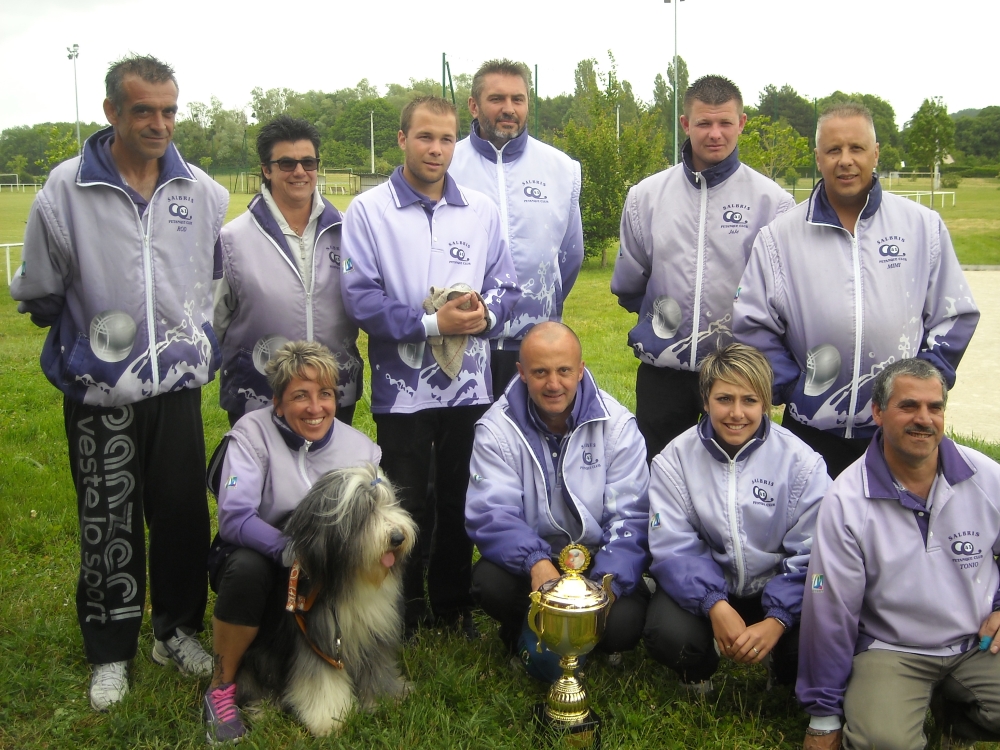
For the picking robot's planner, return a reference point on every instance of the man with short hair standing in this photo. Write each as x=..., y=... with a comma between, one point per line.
x=557, y=461
x=850, y=281
x=120, y=253
x=686, y=235
x=537, y=189
x=428, y=352
x=902, y=594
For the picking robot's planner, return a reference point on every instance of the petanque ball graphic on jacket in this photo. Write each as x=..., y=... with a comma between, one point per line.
x=822, y=368
x=112, y=334
x=666, y=317
x=264, y=349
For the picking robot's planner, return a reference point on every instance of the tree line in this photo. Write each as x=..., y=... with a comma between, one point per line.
x=618, y=137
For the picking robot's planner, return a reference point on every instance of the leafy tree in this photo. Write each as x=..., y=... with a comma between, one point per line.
x=610, y=165
x=32, y=141
x=663, y=104
x=786, y=104
x=354, y=127
x=61, y=146
x=552, y=115
x=979, y=135
x=930, y=133
x=266, y=105
x=772, y=148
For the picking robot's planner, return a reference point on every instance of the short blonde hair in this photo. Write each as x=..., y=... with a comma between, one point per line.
x=736, y=363
x=291, y=361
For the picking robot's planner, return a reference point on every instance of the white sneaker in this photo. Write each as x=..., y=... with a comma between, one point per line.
x=184, y=651
x=705, y=687
x=108, y=684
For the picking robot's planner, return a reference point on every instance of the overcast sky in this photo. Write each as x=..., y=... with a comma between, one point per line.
x=902, y=51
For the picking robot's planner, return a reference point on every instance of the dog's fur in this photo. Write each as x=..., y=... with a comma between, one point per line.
x=340, y=532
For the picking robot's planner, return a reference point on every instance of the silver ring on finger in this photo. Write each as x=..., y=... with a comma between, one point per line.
x=756, y=651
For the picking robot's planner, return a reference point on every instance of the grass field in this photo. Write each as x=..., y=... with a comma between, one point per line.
x=467, y=695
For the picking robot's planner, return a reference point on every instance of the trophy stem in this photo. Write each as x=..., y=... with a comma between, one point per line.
x=567, y=700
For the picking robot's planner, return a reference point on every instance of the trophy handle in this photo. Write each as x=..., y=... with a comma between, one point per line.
x=533, y=613
x=606, y=585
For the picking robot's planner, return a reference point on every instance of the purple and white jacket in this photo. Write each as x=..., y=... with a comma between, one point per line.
x=685, y=239
x=831, y=310
x=274, y=306
x=721, y=527
x=268, y=469
x=396, y=245
x=519, y=509
x=887, y=573
x=537, y=189
x=127, y=292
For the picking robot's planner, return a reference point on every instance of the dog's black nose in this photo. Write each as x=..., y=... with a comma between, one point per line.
x=396, y=538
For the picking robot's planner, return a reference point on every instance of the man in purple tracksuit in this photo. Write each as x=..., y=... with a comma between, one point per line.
x=557, y=461
x=846, y=283
x=686, y=235
x=120, y=253
x=416, y=231
x=903, y=592
x=537, y=189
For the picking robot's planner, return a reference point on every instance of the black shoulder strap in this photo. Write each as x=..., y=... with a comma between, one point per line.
x=213, y=477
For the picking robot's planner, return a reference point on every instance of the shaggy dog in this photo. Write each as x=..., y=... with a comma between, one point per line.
x=350, y=538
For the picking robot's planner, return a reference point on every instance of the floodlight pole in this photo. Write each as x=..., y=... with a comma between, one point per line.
x=537, y=134
x=371, y=126
x=74, y=52
x=676, y=92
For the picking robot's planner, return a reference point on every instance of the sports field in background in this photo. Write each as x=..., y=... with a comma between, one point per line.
x=467, y=695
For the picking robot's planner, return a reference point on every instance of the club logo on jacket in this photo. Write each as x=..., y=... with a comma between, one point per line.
x=534, y=191
x=180, y=212
x=964, y=545
x=590, y=461
x=890, y=252
x=335, y=256
x=760, y=494
x=347, y=265
x=734, y=217
x=460, y=253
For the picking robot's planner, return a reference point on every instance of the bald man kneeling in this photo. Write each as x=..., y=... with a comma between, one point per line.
x=556, y=461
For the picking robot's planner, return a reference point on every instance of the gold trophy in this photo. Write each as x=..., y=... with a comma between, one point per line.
x=568, y=615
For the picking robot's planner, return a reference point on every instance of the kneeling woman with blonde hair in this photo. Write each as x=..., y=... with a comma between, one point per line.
x=732, y=508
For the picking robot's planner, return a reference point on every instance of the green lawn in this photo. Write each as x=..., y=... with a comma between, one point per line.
x=467, y=696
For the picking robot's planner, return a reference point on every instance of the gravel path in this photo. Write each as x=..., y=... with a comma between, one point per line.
x=974, y=402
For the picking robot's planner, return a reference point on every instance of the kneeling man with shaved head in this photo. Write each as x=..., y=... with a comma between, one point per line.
x=556, y=460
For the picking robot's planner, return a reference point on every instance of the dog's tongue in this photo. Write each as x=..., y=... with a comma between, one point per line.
x=388, y=559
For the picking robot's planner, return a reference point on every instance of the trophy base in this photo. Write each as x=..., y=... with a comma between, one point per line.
x=585, y=734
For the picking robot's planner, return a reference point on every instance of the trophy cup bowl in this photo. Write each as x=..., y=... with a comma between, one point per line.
x=568, y=615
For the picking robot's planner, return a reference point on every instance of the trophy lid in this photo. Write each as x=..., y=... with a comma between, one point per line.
x=572, y=591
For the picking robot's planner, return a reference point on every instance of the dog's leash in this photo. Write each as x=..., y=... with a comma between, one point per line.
x=299, y=605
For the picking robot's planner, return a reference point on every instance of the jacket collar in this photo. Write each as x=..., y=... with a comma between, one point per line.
x=406, y=195
x=265, y=219
x=511, y=150
x=587, y=407
x=714, y=175
x=820, y=211
x=96, y=166
x=878, y=480
x=294, y=440
x=707, y=435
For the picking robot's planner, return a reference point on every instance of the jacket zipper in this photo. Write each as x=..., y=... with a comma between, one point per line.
x=698, y=278
x=302, y=462
x=856, y=262
x=502, y=200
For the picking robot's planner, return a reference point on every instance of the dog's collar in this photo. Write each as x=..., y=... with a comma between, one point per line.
x=299, y=605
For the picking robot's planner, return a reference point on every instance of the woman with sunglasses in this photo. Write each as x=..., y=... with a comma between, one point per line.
x=732, y=508
x=281, y=275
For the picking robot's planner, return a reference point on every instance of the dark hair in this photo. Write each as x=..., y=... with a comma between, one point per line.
x=920, y=369
x=146, y=67
x=713, y=90
x=502, y=67
x=280, y=129
x=435, y=104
